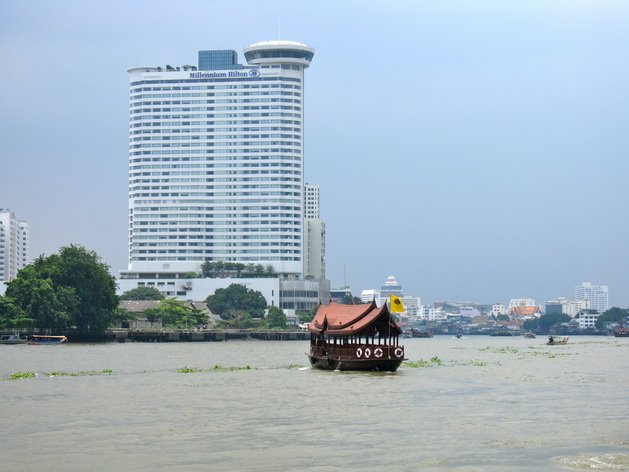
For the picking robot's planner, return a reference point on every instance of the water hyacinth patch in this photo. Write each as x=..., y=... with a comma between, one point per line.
x=434, y=361
x=83, y=373
x=20, y=376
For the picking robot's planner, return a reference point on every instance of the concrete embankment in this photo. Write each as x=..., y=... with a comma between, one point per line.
x=119, y=335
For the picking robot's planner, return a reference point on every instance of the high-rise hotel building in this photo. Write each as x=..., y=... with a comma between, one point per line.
x=216, y=161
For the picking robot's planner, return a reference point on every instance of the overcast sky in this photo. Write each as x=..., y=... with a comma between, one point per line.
x=477, y=151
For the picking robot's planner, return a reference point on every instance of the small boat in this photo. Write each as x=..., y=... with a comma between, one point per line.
x=552, y=341
x=44, y=339
x=621, y=332
x=459, y=335
x=12, y=339
x=529, y=335
x=355, y=337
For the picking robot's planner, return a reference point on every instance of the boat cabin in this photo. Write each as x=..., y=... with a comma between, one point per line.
x=355, y=337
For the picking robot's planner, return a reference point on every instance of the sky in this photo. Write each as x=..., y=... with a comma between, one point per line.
x=477, y=151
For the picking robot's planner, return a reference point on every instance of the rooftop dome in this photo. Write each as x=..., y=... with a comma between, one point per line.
x=279, y=51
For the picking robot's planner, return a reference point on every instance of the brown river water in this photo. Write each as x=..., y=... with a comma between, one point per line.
x=481, y=404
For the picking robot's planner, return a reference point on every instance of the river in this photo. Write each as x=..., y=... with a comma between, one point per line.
x=472, y=404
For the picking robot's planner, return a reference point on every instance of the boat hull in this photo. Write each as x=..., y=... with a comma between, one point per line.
x=12, y=340
x=370, y=365
x=47, y=340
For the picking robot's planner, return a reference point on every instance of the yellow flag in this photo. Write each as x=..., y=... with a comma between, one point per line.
x=396, y=304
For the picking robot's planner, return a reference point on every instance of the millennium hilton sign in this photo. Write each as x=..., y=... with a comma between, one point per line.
x=225, y=75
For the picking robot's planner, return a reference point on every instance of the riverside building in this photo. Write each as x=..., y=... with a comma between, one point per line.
x=216, y=164
x=14, y=245
x=596, y=295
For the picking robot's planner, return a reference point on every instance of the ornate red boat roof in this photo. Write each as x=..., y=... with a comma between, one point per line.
x=340, y=320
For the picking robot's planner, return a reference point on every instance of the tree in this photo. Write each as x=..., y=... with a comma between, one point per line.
x=306, y=316
x=546, y=321
x=275, y=318
x=142, y=293
x=174, y=313
x=12, y=316
x=613, y=315
x=70, y=289
x=531, y=325
x=235, y=298
x=242, y=320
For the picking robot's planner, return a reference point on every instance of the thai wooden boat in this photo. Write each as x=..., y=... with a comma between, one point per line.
x=355, y=337
x=529, y=335
x=44, y=339
x=552, y=341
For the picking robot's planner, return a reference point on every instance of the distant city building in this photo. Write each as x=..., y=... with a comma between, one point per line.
x=413, y=306
x=369, y=295
x=597, y=295
x=497, y=309
x=314, y=238
x=14, y=245
x=339, y=295
x=469, y=312
x=524, y=308
x=391, y=287
x=430, y=313
x=553, y=308
x=454, y=308
x=587, y=318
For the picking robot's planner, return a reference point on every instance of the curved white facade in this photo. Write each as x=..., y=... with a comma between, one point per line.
x=216, y=162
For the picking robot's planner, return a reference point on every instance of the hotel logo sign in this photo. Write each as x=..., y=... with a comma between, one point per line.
x=230, y=74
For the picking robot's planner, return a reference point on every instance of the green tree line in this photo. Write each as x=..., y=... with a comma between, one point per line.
x=71, y=289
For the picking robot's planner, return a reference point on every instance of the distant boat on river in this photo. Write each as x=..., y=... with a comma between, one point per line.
x=621, y=332
x=552, y=341
x=45, y=339
x=355, y=337
x=12, y=339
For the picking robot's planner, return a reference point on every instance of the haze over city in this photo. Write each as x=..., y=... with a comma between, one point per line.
x=475, y=151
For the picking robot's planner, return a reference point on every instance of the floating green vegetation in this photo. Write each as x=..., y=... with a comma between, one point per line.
x=214, y=368
x=421, y=363
x=294, y=366
x=550, y=355
x=20, y=376
x=476, y=363
x=188, y=370
x=506, y=350
x=229, y=369
x=83, y=373
x=500, y=350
